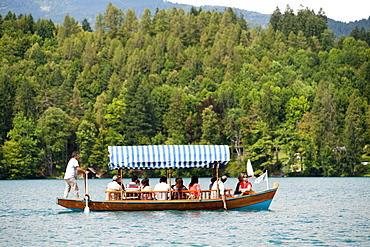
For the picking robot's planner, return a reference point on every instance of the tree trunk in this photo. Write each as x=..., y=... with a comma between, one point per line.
x=49, y=161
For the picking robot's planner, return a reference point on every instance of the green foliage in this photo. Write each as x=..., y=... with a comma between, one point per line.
x=54, y=129
x=21, y=154
x=286, y=97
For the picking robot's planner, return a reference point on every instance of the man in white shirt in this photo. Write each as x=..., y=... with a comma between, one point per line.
x=71, y=175
x=114, y=186
x=162, y=186
x=133, y=185
x=221, y=188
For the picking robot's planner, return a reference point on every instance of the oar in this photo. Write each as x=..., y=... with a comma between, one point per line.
x=87, y=209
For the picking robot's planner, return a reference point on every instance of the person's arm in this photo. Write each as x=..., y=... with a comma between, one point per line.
x=81, y=171
x=198, y=190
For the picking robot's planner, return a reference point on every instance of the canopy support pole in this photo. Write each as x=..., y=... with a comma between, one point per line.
x=218, y=189
x=87, y=197
x=169, y=176
x=120, y=174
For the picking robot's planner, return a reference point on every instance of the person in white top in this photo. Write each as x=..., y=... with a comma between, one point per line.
x=221, y=187
x=71, y=175
x=162, y=186
x=114, y=186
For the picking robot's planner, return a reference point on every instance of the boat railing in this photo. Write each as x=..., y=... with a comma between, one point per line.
x=136, y=195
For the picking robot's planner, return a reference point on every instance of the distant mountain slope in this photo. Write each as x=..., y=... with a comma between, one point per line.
x=341, y=28
x=81, y=9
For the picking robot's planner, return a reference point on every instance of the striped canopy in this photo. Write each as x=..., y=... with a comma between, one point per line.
x=167, y=156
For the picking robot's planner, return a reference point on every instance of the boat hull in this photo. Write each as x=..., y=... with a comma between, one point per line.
x=257, y=201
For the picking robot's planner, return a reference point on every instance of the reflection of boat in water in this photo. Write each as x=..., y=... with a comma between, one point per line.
x=170, y=157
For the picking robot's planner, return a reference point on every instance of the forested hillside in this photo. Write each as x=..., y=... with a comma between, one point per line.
x=56, y=10
x=290, y=97
x=341, y=28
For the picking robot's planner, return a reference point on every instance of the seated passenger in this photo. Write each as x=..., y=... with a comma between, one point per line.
x=245, y=186
x=177, y=190
x=194, y=185
x=114, y=186
x=162, y=186
x=213, y=179
x=146, y=187
x=237, y=191
x=133, y=186
x=219, y=185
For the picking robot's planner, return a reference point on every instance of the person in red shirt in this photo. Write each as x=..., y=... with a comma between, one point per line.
x=245, y=186
x=194, y=185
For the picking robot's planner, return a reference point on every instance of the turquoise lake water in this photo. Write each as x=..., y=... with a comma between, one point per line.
x=304, y=212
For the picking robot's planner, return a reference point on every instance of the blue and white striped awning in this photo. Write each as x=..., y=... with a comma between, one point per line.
x=167, y=156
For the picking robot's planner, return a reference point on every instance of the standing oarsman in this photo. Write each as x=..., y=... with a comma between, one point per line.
x=71, y=175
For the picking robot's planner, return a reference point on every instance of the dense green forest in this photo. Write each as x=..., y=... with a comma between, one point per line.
x=291, y=97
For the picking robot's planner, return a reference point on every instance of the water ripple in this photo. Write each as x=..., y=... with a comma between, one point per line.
x=305, y=212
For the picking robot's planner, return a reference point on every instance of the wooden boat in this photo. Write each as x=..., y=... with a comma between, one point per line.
x=167, y=157
x=254, y=201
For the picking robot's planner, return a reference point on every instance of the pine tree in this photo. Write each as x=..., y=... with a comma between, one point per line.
x=175, y=119
x=86, y=25
x=69, y=27
x=324, y=112
x=353, y=137
x=140, y=116
x=210, y=129
x=276, y=20
x=112, y=20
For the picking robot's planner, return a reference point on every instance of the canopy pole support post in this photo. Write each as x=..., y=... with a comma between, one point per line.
x=218, y=189
x=170, y=185
x=120, y=174
x=87, y=197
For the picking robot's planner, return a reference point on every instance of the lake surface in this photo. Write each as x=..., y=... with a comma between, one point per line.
x=304, y=212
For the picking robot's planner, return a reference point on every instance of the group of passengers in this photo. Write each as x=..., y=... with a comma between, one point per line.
x=179, y=190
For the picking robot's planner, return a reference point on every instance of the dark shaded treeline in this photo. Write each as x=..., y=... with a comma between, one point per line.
x=290, y=98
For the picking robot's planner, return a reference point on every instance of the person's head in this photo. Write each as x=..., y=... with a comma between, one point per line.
x=213, y=179
x=179, y=183
x=134, y=178
x=137, y=181
x=245, y=178
x=116, y=178
x=223, y=178
x=240, y=177
x=75, y=155
x=163, y=179
x=194, y=180
x=145, y=182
